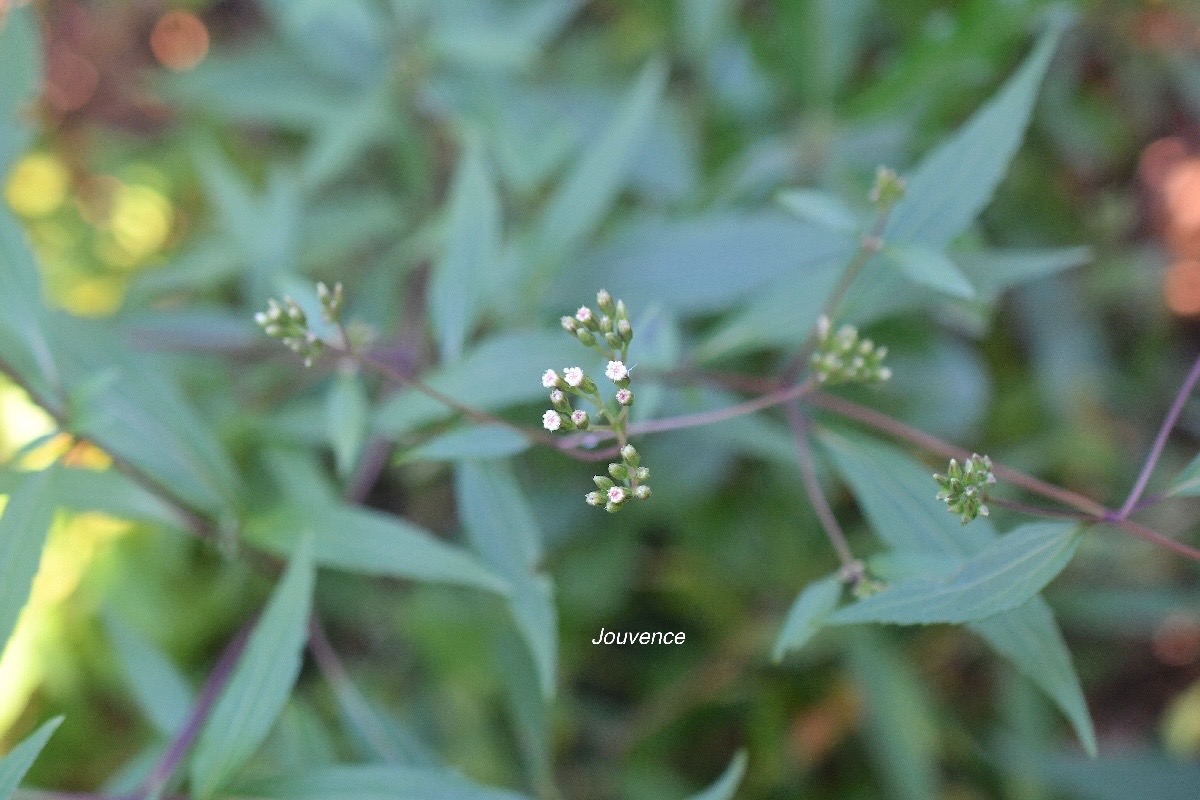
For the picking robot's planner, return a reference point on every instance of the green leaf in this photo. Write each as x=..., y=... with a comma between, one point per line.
x=471, y=250
x=502, y=529
x=472, y=442
x=25, y=349
x=1133, y=773
x=726, y=786
x=502, y=371
x=21, y=66
x=157, y=686
x=895, y=495
x=587, y=193
x=900, y=729
x=1187, y=482
x=808, y=615
x=370, y=542
x=946, y=192
x=932, y=268
x=347, y=410
x=105, y=491
x=819, y=208
x=23, y=527
x=684, y=266
x=1003, y=575
x=378, y=783
x=993, y=271
x=1029, y=637
x=14, y=765
x=262, y=681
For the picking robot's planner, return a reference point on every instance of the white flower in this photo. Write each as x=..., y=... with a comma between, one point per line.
x=616, y=371
x=549, y=379
x=557, y=397
x=616, y=495
x=579, y=417
x=583, y=314
x=573, y=376
x=551, y=421
x=624, y=397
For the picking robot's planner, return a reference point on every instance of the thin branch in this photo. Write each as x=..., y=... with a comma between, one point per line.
x=1185, y=391
x=808, y=474
x=868, y=246
x=158, y=778
x=193, y=521
x=1040, y=511
x=899, y=430
x=1142, y=532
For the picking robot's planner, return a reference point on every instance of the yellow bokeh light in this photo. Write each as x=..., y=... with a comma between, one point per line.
x=92, y=297
x=37, y=186
x=21, y=421
x=141, y=220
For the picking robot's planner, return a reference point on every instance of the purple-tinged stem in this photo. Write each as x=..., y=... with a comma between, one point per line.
x=1185, y=391
x=808, y=474
x=158, y=778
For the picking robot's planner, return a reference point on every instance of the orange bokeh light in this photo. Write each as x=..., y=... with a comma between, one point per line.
x=1182, y=287
x=179, y=40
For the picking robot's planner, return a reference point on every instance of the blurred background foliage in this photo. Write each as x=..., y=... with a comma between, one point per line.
x=192, y=159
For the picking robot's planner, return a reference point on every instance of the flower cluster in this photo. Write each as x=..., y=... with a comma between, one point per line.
x=627, y=480
x=964, y=488
x=288, y=323
x=842, y=357
x=610, y=332
x=887, y=189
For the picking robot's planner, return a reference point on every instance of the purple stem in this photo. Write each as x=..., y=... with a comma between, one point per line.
x=1160, y=442
x=157, y=780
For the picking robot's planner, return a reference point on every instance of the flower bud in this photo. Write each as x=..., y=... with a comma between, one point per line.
x=586, y=336
x=569, y=324
x=593, y=498
x=605, y=301
x=579, y=418
x=606, y=324
x=642, y=492
x=603, y=482
x=642, y=473
x=624, y=397
x=630, y=455
x=619, y=471
x=613, y=341
x=625, y=330
x=888, y=189
x=621, y=313
x=559, y=400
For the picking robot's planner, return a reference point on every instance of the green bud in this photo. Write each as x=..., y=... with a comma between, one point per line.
x=612, y=340
x=605, y=301
x=625, y=330
x=888, y=189
x=570, y=324
x=603, y=483
x=606, y=324
x=630, y=455
x=643, y=473
x=594, y=498
x=586, y=336
x=619, y=471
x=642, y=492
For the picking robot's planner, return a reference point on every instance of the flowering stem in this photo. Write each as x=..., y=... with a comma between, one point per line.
x=808, y=474
x=158, y=778
x=893, y=427
x=1038, y=511
x=1185, y=391
x=868, y=246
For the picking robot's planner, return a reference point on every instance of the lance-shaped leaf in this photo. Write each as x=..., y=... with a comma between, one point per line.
x=157, y=686
x=21, y=66
x=932, y=268
x=502, y=528
x=261, y=683
x=946, y=192
x=14, y=765
x=1003, y=575
x=590, y=189
x=379, y=783
x=808, y=615
x=472, y=246
x=23, y=527
x=371, y=543
x=726, y=786
x=1187, y=482
x=898, y=498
